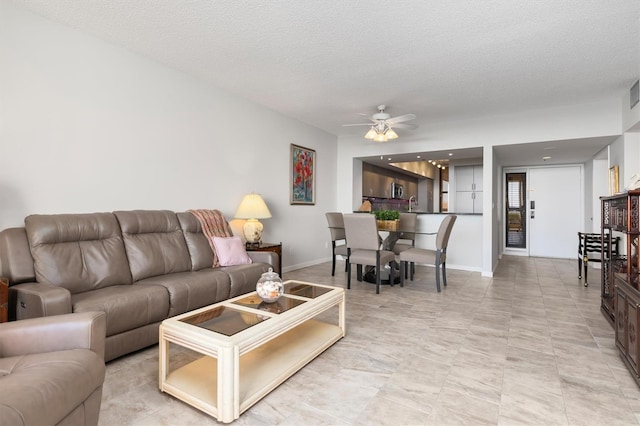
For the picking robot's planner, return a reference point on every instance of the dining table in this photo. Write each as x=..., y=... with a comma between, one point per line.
x=388, y=241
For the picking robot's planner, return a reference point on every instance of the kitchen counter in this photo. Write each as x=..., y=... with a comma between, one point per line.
x=427, y=213
x=457, y=214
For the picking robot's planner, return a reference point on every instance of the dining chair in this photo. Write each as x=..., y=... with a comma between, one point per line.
x=363, y=247
x=338, y=239
x=437, y=257
x=406, y=238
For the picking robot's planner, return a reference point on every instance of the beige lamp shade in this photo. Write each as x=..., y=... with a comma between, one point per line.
x=252, y=207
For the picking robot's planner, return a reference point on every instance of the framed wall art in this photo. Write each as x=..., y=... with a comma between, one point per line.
x=614, y=185
x=303, y=175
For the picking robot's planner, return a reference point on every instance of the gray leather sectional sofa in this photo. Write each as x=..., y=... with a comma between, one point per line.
x=138, y=267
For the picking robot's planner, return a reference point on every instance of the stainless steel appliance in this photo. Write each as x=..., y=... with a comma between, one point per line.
x=396, y=190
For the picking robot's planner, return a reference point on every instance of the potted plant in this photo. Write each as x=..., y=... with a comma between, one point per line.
x=387, y=219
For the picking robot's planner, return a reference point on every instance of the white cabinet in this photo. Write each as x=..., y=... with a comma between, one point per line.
x=468, y=178
x=468, y=202
x=468, y=181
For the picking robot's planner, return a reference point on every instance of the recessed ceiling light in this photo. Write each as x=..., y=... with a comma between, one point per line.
x=389, y=158
x=450, y=154
x=546, y=158
x=417, y=156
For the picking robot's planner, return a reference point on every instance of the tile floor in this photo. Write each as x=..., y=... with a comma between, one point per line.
x=528, y=346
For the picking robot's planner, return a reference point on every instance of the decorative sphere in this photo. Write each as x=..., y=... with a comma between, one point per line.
x=270, y=287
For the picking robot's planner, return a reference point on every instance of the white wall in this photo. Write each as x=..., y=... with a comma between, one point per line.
x=563, y=122
x=87, y=126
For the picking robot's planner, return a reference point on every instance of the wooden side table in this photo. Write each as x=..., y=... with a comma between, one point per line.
x=272, y=247
x=4, y=300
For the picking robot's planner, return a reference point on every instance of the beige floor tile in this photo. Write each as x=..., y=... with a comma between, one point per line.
x=528, y=346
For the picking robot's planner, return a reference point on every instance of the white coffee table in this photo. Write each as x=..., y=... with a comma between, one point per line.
x=248, y=347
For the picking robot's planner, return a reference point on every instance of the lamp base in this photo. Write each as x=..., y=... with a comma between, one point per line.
x=252, y=231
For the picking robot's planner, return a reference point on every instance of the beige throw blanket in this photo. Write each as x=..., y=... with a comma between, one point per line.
x=213, y=225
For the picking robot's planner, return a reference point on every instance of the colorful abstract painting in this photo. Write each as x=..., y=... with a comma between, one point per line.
x=303, y=175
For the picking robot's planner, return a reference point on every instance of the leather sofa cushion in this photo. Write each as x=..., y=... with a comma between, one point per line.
x=126, y=306
x=244, y=277
x=192, y=290
x=199, y=248
x=154, y=243
x=79, y=252
x=15, y=256
x=44, y=388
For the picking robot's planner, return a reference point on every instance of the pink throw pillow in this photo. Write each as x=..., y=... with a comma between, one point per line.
x=231, y=251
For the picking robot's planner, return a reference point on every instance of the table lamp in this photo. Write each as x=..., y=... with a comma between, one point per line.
x=252, y=207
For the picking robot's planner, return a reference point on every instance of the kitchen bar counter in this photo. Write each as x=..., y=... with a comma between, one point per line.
x=458, y=214
x=421, y=213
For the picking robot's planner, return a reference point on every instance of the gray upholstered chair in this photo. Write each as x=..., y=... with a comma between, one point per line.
x=338, y=239
x=437, y=257
x=406, y=240
x=364, y=246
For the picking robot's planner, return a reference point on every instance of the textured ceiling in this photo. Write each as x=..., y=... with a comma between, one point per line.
x=324, y=62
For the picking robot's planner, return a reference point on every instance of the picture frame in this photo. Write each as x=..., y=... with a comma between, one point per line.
x=614, y=183
x=302, y=188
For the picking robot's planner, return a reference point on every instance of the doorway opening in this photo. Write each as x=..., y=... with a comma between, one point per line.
x=516, y=223
x=444, y=190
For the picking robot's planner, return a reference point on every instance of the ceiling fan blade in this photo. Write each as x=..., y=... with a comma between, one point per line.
x=404, y=126
x=401, y=118
x=358, y=124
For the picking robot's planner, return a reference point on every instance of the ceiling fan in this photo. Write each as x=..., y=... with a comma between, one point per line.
x=382, y=125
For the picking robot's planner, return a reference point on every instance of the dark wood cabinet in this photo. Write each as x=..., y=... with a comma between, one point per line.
x=621, y=325
x=620, y=295
x=627, y=326
x=620, y=214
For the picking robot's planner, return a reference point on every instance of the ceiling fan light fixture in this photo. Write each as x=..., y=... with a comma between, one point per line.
x=381, y=122
x=371, y=134
x=391, y=134
x=380, y=137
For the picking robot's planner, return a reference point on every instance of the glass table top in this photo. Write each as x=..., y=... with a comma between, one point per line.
x=277, y=307
x=305, y=290
x=227, y=320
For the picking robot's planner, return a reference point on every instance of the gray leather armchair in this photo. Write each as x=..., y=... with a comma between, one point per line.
x=52, y=370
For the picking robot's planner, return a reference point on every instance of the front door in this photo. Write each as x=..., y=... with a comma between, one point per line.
x=555, y=211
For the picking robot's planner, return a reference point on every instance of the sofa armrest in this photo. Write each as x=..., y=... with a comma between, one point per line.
x=35, y=300
x=267, y=257
x=84, y=330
